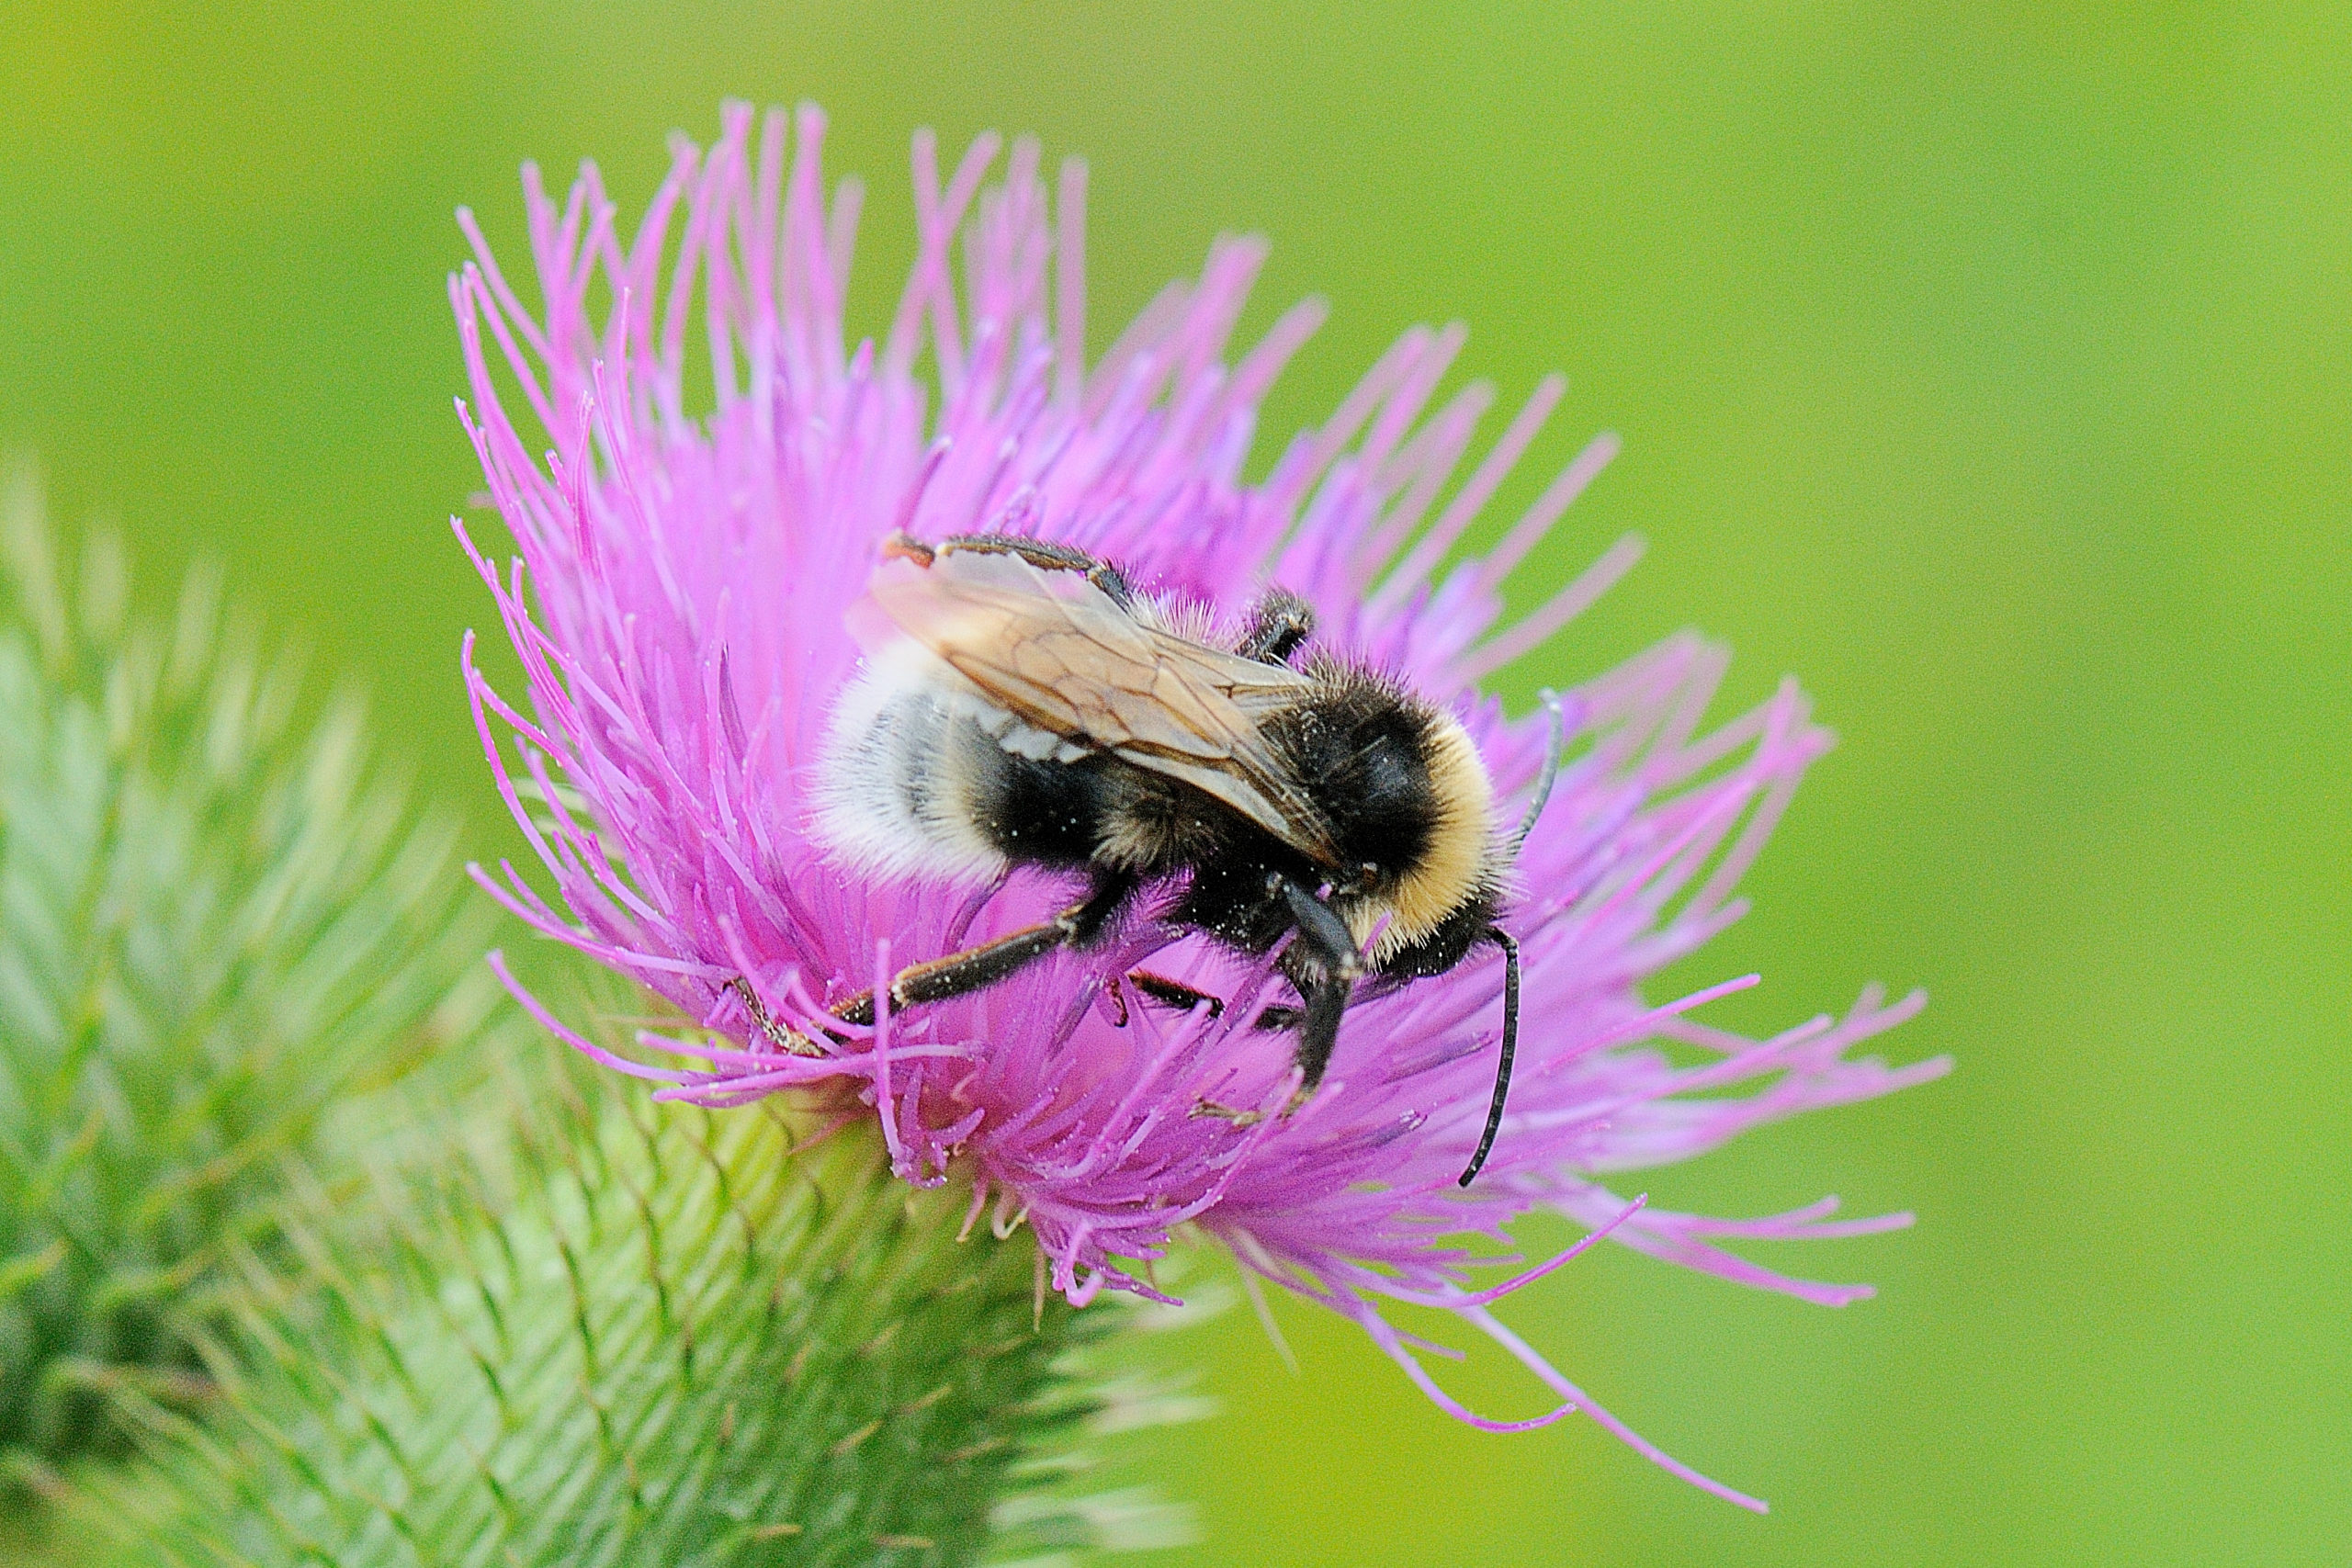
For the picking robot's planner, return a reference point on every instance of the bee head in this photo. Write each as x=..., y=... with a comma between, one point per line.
x=1411, y=811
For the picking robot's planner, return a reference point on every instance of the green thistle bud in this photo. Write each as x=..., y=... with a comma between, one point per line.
x=646, y=1334
x=218, y=931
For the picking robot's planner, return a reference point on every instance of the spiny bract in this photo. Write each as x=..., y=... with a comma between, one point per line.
x=216, y=932
x=636, y=1334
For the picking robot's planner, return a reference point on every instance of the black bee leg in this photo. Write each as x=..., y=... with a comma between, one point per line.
x=1278, y=623
x=1318, y=1030
x=977, y=968
x=1324, y=965
x=1327, y=972
x=1501, y=938
x=960, y=974
x=1319, y=1033
x=1173, y=994
x=1110, y=894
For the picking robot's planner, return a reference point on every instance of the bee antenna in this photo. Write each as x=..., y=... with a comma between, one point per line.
x=1503, y=940
x=1552, y=746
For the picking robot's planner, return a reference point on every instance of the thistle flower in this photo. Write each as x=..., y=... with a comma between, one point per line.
x=686, y=556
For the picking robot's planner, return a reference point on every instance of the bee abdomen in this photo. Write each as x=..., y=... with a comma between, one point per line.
x=903, y=781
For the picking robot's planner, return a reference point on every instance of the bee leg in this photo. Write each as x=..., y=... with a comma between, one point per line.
x=1173, y=993
x=1325, y=965
x=780, y=1035
x=1278, y=623
x=1326, y=979
x=1274, y=1017
x=977, y=968
x=1319, y=1027
x=1046, y=556
x=1319, y=1034
x=960, y=974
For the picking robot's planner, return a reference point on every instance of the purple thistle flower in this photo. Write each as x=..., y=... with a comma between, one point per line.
x=689, y=556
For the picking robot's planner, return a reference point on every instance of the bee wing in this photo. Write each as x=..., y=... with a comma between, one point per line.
x=1055, y=651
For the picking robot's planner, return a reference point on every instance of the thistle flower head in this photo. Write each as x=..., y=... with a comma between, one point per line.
x=688, y=547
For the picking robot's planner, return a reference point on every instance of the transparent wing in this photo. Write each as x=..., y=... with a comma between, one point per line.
x=1054, y=650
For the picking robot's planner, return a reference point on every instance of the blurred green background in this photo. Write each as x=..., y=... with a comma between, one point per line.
x=1986, y=366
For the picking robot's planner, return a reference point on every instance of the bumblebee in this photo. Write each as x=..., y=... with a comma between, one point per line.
x=1023, y=706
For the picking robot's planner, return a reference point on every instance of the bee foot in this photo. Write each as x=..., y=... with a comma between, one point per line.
x=780, y=1036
